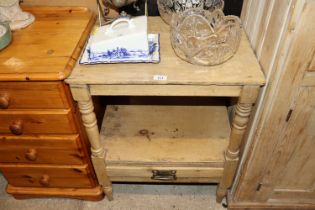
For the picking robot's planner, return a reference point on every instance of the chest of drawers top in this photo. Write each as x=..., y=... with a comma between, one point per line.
x=47, y=49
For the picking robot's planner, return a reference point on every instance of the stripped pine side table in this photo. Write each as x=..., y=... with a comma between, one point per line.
x=189, y=144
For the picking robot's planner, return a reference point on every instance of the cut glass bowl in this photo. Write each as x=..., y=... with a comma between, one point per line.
x=168, y=7
x=205, y=38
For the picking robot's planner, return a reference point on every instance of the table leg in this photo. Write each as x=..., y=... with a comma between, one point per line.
x=239, y=124
x=82, y=96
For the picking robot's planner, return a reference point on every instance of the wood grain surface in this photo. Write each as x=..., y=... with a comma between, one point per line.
x=127, y=173
x=166, y=135
x=57, y=121
x=242, y=69
x=51, y=42
x=278, y=171
x=45, y=149
x=35, y=95
x=54, y=175
x=92, y=194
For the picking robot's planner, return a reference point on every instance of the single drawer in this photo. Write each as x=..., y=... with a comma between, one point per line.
x=46, y=175
x=164, y=174
x=20, y=122
x=41, y=149
x=32, y=95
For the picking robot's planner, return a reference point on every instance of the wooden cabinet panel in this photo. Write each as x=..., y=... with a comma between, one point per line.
x=297, y=177
x=46, y=175
x=288, y=179
x=25, y=95
x=312, y=65
x=41, y=149
x=278, y=171
x=309, y=79
x=264, y=22
x=37, y=122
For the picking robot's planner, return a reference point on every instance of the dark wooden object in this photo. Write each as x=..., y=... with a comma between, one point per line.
x=43, y=149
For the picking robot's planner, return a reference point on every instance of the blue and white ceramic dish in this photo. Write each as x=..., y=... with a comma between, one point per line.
x=121, y=55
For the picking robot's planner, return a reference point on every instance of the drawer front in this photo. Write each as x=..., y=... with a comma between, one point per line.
x=36, y=122
x=164, y=174
x=46, y=176
x=32, y=95
x=41, y=149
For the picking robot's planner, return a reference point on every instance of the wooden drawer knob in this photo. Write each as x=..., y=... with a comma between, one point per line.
x=4, y=101
x=31, y=154
x=17, y=127
x=44, y=180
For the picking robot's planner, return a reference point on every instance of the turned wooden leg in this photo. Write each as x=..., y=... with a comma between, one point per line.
x=239, y=124
x=82, y=96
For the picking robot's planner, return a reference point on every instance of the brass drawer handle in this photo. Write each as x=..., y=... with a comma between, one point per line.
x=164, y=175
x=4, y=101
x=31, y=154
x=17, y=127
x=44, y=180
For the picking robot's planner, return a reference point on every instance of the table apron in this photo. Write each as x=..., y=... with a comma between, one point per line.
x=166, y=90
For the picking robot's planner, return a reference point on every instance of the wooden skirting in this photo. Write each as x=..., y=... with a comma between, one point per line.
x=264, y=206
x=92, y=194
x=232, y=205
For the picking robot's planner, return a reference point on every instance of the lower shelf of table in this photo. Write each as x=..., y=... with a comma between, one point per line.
x=165, y=143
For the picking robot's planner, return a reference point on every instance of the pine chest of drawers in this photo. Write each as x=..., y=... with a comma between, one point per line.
x=43, y=149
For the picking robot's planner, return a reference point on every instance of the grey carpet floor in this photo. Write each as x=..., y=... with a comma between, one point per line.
x=126, y=197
